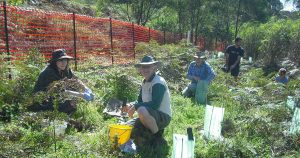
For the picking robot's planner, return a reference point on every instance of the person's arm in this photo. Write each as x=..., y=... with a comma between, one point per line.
x=139, y=100
x=44, y=80
x=210, y=74
x=158, y=91
x=86, y=95
x=236, y=62
x=41, y=84
x=190, y=75
x=227, y=57
x=241, y=54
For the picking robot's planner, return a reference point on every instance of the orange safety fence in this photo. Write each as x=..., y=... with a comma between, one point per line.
x=220, y=46
x=82, y=36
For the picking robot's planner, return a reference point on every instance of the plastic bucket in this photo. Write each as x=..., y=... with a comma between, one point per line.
x=119, y=133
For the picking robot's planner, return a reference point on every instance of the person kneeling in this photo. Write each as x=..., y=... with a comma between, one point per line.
x=201, y=75
x=56, y=78
x=153, y=105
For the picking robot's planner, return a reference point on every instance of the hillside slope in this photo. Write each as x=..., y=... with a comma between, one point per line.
x=59, y=6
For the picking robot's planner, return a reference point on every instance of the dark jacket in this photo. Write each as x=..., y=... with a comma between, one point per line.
x=47, y=76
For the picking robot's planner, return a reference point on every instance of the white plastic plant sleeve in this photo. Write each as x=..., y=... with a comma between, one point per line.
x=295, y=127
x=212, y=122
x=182, y=147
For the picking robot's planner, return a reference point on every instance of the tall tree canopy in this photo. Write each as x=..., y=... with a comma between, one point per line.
x=212, y=19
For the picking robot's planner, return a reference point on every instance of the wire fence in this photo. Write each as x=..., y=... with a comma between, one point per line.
x=112, y=41
x=22, y=30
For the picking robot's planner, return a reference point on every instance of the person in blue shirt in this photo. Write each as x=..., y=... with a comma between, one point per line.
x=58, y=69
x=201, y=74
x=282, y=78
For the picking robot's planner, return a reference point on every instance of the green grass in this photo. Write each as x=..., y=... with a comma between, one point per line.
x=255, y=115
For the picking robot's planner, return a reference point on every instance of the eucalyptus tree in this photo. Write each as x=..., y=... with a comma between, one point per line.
x=259, y=10
x=222, y=14
x=181, y=9
x=139, y=11
x=296, y=3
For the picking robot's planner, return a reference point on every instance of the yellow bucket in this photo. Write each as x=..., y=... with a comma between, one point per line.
x=119, y=133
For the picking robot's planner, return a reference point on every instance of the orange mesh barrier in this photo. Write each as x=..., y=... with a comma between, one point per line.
x=220, y=46
x=111, y=40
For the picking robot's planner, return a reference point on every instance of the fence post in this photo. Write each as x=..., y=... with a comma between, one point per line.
x=6, y=37
x=111, y=41
x=74, y=37
x=164, y=37
x=174, y=40
x=149, y=34
x=133, y=42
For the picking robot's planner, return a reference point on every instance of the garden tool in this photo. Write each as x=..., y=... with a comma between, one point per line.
x=124, y=114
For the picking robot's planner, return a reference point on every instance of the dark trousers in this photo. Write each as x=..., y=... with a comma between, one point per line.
x=65, y=107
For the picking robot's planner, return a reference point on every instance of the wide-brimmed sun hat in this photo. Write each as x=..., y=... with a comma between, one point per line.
x=200, y=55
x=59, y=54
x=147, y=60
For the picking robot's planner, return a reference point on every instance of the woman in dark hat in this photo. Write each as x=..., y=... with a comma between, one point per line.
x=58, y=69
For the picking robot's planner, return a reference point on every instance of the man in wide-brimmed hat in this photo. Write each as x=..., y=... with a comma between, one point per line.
x=201, y=74
x=58, y=69
x=153, y=105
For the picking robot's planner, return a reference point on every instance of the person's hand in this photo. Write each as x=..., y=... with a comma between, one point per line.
x=73, y=103
x=131, y=111
x=88, y=96
x=232, y=67
x=73, y=93
x=226, y=67
x=129, y=108
x=126, y=108
x=196, y=78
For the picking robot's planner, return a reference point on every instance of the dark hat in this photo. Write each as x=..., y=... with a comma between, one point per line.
x=200, y=55
x=238, y=39
x=282, y=70
x=147, y=60
x=59, y=54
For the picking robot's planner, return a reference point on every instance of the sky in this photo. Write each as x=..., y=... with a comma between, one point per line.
x=287, y=6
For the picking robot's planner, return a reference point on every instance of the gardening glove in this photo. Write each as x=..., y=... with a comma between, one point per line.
x=88, y=95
